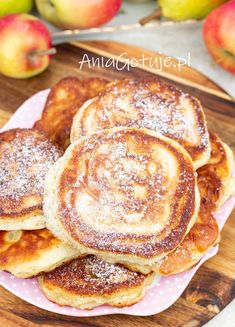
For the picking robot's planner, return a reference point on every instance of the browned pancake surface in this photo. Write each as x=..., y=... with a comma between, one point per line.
x=117, y=193
x=25, y=157
x=205, y=232
x=92, y=276
x=211, y=177
x=18, y=247
x=148, y=103
x=65, y=98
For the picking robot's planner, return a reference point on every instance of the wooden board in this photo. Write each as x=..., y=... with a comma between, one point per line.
x=213, y=287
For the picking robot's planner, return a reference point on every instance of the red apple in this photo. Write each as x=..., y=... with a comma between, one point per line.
x=72, y=14
x=219, y=35
x=23, y=40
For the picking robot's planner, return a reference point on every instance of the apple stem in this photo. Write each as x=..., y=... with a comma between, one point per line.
x=156, y=14
x=47, y=52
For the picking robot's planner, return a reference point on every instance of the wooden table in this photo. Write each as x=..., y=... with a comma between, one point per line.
x=213, y=287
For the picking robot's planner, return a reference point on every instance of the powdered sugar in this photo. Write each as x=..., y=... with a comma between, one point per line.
x=93, y=275
x=148, y=104
x=125, y=182
x=24, y=162
x=163, y=294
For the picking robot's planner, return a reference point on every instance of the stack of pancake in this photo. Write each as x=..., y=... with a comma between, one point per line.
x=115, y=183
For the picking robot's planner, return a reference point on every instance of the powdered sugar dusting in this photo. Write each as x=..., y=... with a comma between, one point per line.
x=24, y=162
x=93, y=275
x=162, y=294
x=125, y=182
x=152, y=105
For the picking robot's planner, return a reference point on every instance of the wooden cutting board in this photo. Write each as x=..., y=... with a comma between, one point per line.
x=213, y=287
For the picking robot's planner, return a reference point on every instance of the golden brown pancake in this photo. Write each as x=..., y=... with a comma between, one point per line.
x=213, y=180
x=203, y=235
x=25, y=157
x=28, y=253
x=126, y=195
x=65, y=98
x=147, y=103
x=89, y=282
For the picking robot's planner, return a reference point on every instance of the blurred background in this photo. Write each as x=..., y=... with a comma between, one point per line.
x=202, y=31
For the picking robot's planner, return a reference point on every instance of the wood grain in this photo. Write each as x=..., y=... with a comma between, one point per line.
x=148, y=61
x=213, y=287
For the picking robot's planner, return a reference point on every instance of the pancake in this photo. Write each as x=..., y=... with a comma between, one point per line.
x=214, y=182
x=25, y=157
x=28, y=253
x=65, y=98
x=126, y=195
x=147, y=103
x=89, y=282
x=202, y=236
x=215, y=179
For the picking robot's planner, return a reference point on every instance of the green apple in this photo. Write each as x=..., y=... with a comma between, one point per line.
x=188, y=9
x=15, y=6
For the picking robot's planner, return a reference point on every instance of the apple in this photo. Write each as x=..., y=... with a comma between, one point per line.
x=81, y=14
x=188, y=9
x=24, y=44
x=219, y=35
x=15, y=6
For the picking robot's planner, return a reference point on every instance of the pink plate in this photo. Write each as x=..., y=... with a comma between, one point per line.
x=161, y=295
